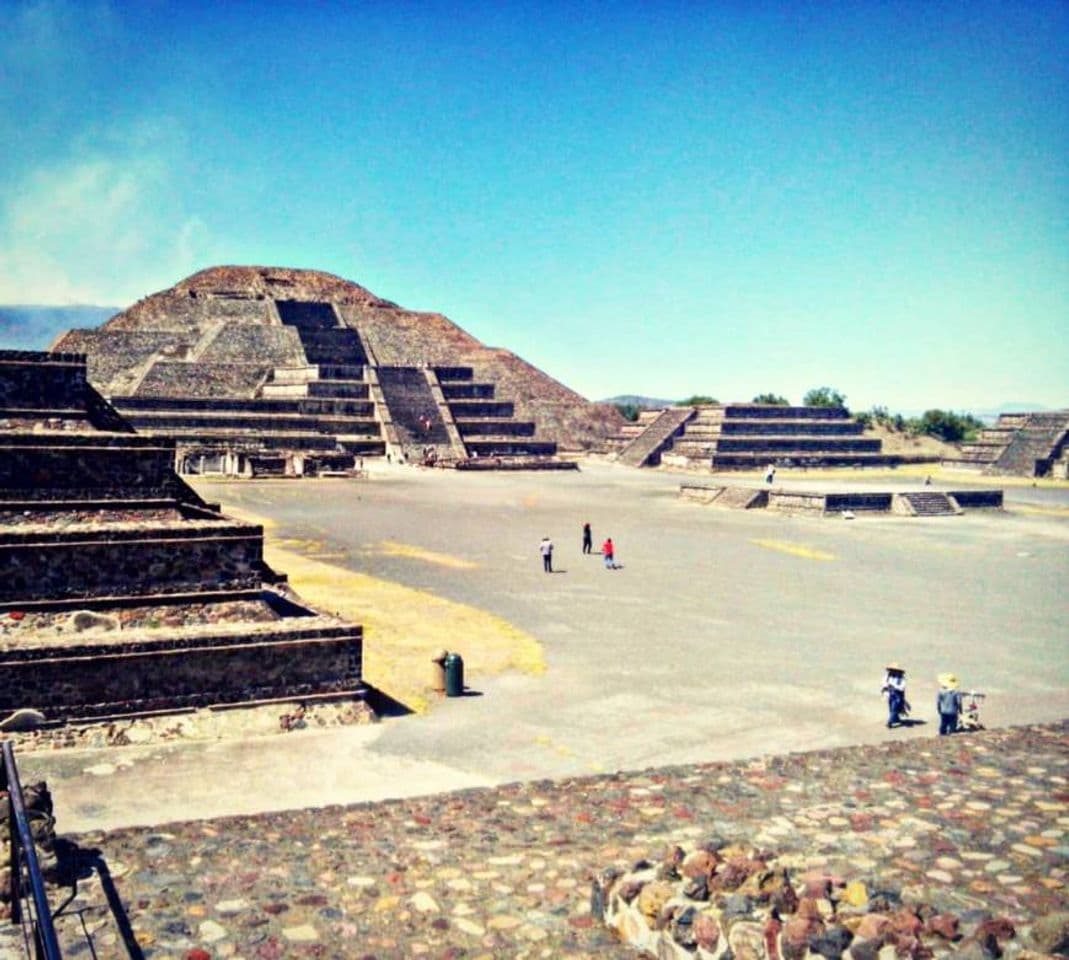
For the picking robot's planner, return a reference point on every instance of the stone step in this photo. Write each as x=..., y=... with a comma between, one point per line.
x=509, y=447
x=808, y=445
x=300, y=404
x=930, y=504
x=244, y=440
x=467, y=391
x=160, y=422
x=757, y=411
x=341, y=371
x=481, y=409
x=801, y=458
x=453, y=374
x=496, y=428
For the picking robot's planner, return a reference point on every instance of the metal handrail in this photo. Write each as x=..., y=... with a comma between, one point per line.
x=23, y=851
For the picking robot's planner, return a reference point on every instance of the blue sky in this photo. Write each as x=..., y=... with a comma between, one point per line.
x=660, y=198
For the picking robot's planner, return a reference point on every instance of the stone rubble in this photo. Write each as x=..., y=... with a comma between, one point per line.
x=949, y=846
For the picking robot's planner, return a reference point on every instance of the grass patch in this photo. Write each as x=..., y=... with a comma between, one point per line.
x=403, y=627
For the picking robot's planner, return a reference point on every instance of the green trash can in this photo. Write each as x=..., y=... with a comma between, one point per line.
x=454, y=675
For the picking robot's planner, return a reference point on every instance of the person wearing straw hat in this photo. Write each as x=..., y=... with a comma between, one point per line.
x=894, y=685
x=948, y=703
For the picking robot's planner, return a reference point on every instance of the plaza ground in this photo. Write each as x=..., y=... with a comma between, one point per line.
x=724, y=634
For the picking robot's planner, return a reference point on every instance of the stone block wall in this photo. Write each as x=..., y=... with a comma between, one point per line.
x=61, y=565
x=87, y=680
x=245, y=343
x=112, y=466
x=177, y=379
x=116, y=359
x=790, y=501
x=27, y=382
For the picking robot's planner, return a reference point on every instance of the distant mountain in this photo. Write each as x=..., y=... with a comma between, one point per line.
x=33, y=327
x=645, y=403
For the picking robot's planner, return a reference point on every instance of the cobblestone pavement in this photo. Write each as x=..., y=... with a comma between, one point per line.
x=975, y=825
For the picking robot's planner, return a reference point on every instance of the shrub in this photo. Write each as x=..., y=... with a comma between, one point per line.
x=774, y=399
x=824, y=397
x=946, y=426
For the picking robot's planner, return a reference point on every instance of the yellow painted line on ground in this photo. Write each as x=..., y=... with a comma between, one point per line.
x=559, y=748
x=392, y=548
x=794, y=549
x=1042, y=511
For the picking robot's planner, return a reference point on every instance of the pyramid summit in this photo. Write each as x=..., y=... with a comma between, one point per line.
x=271, y=368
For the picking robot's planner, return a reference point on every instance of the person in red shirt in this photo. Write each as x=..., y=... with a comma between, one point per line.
x=608, y=551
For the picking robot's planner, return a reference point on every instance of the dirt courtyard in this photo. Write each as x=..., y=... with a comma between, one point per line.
x=723, y=634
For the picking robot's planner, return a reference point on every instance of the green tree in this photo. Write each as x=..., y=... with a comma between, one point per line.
x=697, y=400
x=947, y=426
x=774, y=399
x=824, y=397
x=629, y=411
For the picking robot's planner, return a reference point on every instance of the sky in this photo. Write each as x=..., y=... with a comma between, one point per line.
x=658, y=198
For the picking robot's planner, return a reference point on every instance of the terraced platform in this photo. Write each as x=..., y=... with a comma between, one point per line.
x=1020, y=444
x=927, y=503
x=752, y=437
x=121, y=590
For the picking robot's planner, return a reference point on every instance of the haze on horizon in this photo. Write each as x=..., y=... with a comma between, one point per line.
x=637, y=198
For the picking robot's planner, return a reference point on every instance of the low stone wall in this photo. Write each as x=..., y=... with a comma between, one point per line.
x=36, y=467
x=60, y=565
x=30, y=380
x=85, y=681
x=805, y=502
x=699, y=493
x=801, y=502
x=978, y=499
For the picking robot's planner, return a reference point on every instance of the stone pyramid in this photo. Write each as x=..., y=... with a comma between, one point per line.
x=264, y=365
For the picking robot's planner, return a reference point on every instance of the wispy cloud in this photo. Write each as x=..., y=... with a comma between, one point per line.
x=101, y=226
x=95, y=207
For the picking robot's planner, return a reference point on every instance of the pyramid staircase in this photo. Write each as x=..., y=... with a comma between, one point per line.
x=646, y=448
x=488, y=427
x=1036, y=447
x=926, y=504
x=752, y=436
x=122, y=591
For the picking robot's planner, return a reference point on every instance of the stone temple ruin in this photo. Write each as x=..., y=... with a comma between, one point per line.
x=258, y=371
x=1021, y=444
x=749, y=436
x=122, y=591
